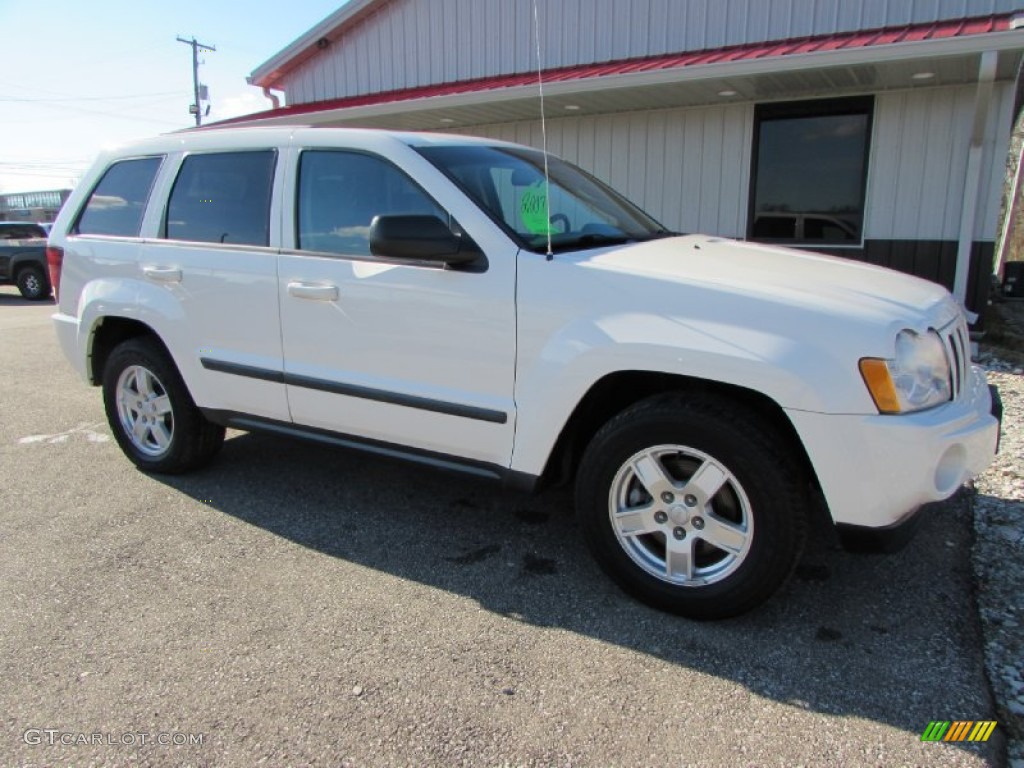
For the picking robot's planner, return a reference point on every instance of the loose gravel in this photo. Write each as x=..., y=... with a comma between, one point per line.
x=999, y=557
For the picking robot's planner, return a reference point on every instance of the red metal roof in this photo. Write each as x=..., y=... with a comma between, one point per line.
x=773, y=49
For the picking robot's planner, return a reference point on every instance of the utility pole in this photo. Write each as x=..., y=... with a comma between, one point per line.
x=196, y=47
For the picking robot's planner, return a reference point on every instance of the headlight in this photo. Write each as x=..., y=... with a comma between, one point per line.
x=916, y=378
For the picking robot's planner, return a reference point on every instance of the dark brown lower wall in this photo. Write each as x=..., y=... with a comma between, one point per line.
x=933, y=260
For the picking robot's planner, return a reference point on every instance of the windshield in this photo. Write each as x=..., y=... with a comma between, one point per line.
x=508, y=183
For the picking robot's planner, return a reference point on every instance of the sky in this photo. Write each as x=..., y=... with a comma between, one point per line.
x=79, y=76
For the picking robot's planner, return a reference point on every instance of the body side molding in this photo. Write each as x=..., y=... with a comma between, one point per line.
x=355, y=390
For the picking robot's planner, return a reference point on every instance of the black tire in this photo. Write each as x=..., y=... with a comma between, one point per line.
x=33, y=282
x=759, y=511
x=174, y=436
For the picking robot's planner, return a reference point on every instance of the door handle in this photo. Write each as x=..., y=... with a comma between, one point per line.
x=162, y=274
x=313, y=291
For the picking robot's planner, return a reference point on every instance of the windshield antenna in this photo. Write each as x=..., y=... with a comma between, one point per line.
x=543, y=132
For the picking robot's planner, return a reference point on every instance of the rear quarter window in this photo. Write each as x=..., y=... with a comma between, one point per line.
x=118, y=202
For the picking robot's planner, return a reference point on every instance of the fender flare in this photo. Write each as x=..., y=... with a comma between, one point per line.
x=133, y=300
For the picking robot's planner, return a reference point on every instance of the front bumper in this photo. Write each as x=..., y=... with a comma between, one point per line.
x=876, y=470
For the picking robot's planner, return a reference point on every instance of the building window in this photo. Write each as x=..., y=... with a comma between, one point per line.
x=809, y=171
x=116, y=205
x=222, y=197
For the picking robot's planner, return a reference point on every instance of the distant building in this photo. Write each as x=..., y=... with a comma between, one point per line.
x=877, y=130
x=32, y=206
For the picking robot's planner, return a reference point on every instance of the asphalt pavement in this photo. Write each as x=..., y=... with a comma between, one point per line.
x=299, y=605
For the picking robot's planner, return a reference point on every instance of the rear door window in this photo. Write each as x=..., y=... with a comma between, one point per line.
x=118, y=202
x=223, y=197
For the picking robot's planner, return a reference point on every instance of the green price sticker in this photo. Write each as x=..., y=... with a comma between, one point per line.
x=533, y=209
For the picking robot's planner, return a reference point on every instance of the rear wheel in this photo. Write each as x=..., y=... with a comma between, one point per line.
x=33, y=283
x=151, y=413
x=692, y=505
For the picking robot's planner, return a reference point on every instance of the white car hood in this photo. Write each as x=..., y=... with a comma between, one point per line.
x=797, y=279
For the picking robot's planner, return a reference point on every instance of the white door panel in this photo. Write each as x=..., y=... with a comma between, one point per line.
x=229, y=322
x=411, y=355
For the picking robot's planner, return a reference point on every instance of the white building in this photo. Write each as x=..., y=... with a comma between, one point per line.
x=874, y=129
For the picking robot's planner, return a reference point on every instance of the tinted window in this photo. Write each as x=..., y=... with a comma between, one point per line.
x=832, y=230
x=774, y=227
x=116, y=205
x=223, y=198
x=340, y=193
x=21, y=231
x=810, y=162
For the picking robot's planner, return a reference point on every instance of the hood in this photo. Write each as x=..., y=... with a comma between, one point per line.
x=784, y=276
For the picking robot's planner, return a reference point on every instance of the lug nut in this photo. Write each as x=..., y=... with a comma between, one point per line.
x=698, y=523
x=667, y=497
x=690, y=500
x=660, y=517
x=679, y=533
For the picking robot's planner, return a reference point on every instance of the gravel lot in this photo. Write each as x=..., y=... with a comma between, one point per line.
x=294, y=605
x=999, y=559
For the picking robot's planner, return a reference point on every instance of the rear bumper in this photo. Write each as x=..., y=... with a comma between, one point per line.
x=67, y=334
x=876, y=470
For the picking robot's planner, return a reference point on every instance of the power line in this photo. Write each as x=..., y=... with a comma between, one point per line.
x=83, y=109
x=35, y=88
x=45, y=161
x=92, y=98
x=50, y=160
x=43, y=174
x=118, y=115
x=42, y=171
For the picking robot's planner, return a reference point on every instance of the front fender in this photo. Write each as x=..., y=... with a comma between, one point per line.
x=557, y=375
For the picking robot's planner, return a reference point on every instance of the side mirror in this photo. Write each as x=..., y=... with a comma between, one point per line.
x=423, y=238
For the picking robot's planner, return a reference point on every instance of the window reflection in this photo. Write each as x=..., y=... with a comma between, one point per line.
x=809, y=174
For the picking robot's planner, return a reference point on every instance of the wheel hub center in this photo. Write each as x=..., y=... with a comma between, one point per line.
x=679, y=514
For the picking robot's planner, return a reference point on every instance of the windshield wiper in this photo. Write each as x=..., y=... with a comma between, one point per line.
x=591, y=240
x=600, y=239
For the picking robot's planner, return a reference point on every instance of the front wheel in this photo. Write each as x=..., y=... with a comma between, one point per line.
x=151, y=413
x=691, y=505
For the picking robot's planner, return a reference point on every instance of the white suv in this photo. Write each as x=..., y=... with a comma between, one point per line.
x=435, y=298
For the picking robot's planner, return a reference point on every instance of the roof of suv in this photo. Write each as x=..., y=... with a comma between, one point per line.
x=245, y=137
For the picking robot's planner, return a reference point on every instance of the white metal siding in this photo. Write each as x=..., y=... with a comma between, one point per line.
x=689, y=168
x=997, y=143
x=919, y=163
x=409, y=43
